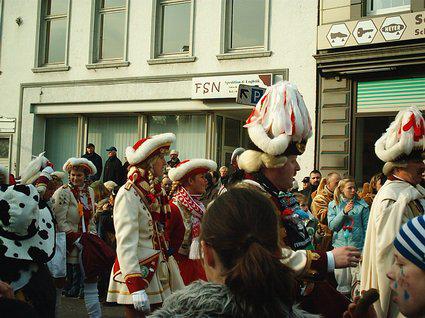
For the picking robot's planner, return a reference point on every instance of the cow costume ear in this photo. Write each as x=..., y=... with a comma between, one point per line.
x=26, y=226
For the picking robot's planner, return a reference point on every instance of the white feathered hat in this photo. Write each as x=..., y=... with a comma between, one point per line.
x=404, y=139
x=83, y=162
x=187, y=168
x=146, y=147
x=280, y=123
x=33, y=170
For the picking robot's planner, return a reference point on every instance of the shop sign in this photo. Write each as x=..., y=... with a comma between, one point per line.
x=226, y=86
x=7, y=125
x=402, y=27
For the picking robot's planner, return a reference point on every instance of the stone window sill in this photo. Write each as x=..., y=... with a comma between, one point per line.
x=46, y=69
x=243, y=55
x=100, y=65
x=172, y=60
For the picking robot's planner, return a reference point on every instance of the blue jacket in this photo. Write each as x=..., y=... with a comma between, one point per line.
x=337, y=220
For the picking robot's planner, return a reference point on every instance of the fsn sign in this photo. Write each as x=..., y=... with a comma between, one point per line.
x=226, y=86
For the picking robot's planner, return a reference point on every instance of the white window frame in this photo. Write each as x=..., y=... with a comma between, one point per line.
x=247, y=52
x=94, y=59
x=178, y=57
x=370, y=12
x=40, y=52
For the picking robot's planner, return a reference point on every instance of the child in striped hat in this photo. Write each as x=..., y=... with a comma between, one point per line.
x=407, y=275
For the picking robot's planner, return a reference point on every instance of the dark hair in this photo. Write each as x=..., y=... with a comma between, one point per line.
x=215, y=175
x=208, y=176
x=315, y=172
x=242, y=227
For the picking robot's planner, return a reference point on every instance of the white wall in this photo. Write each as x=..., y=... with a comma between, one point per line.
x=292, y=41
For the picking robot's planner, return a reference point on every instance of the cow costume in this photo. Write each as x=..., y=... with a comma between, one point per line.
x=184, y=225
x=27, y=242
x=143, y=274
x=397, y=202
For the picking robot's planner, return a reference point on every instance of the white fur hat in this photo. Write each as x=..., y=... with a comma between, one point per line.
x=187, y=168
x=110, y=185
x=33, y=170
x=404, y=139
x=146, y=147
x=280, y=123
x=74, y=162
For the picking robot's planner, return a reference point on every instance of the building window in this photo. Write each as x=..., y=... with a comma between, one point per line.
x=54, y=25
x=375, y=7
x=245, y=29
x=173, y=30
x=110, y=31
x=190, y=131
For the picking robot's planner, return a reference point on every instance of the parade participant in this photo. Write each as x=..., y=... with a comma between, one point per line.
x=174, y=159
x=407, y=275
x=241, y=257
x=401, y=198
x=37, y=172
x=27, y=242
x=141, y=275
x=4, y=180
x=73, y=206
x=183, y=227
x=348, y=217
x=279, y=127
x=319, y=207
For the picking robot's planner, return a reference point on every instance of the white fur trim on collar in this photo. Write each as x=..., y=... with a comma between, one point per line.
x=73, y=162
x=398, y=141
x=135, y=156
x=177, y=173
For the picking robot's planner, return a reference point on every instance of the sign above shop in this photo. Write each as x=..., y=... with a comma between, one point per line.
x=249, y=95
x=374, y=30
x=7, y=125
x=226, y=86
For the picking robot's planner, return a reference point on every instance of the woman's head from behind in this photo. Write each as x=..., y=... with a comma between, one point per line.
x=239, y=242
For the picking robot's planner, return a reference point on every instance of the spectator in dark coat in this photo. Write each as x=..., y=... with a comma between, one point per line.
x=92, y=156
x=113, y=168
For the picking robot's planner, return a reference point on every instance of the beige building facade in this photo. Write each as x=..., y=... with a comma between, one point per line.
x=370, y=64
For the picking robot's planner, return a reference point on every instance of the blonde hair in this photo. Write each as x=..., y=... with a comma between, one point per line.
x=339, y=189
x=252, y=161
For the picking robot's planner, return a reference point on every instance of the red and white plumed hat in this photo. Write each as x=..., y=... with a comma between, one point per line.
x=192, y=167
x=149, y=146
x=88, y=166
x=404, y=139
x=280, y=123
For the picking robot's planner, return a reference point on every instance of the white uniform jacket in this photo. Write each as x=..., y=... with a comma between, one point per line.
x=141, y=264
x=392, y=207
x=65, y=209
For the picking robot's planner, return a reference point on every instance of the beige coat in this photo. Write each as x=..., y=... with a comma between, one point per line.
x=392, y=207
x=65, y=209
x=134, y=230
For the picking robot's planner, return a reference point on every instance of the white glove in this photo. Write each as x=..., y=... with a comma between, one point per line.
x=141, y=301
x=48, y=170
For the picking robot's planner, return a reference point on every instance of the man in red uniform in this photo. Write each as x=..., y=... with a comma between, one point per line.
x=183, y=227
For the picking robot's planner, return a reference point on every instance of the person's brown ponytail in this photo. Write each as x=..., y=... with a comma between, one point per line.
x=242, y=227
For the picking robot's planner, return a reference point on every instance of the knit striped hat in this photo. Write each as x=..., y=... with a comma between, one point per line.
x=410, y=241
